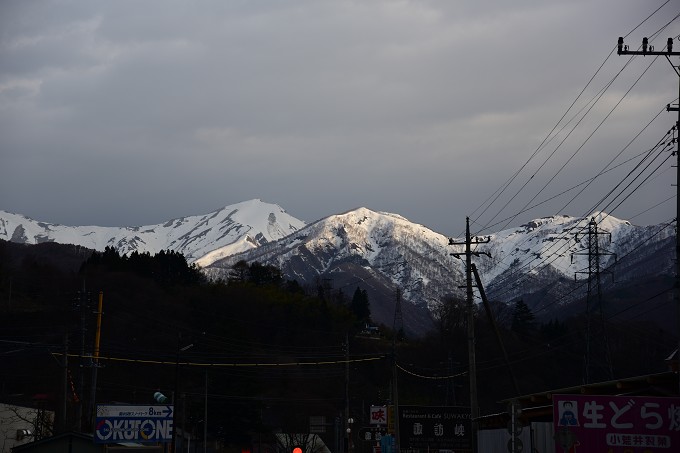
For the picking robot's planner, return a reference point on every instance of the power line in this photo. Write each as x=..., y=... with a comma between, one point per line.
x=506, y=185
x=227, y=364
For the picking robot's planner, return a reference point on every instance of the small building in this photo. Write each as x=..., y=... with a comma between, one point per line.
x=20, y=425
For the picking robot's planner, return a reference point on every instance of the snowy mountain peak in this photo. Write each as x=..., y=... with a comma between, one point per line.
x=200, y=238
x=384, y=253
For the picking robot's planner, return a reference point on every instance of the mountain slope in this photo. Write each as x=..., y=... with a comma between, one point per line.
x=558, y=250
x=384, y=252
x=380, y=252
x=545, y=262
x=201, y=239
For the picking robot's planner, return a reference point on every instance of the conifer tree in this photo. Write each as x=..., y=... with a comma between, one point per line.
x=523, y=320
x=360, y=305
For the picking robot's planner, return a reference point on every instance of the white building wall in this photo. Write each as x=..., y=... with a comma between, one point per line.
x=17, y=419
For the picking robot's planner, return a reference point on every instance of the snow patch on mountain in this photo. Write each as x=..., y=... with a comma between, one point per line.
x=201, y=239
x=384, y=252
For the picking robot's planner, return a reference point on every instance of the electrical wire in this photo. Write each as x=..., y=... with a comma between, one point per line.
x=506, y=185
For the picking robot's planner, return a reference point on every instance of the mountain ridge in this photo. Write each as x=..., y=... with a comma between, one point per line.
x=392, y=257
x=201, y=238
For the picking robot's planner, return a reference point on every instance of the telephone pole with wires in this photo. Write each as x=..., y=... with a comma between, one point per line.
x=647, y=49
x=594, y=273
x=474, y=407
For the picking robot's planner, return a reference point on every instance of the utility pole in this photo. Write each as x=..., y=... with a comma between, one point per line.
x=398, y=323
x=175, y=394
x=83, y=304
x=649, y=50
x=492, y=320
x=594, y=273
x=61, y=423
x=474, y=408
x=346, y=423
x=95, y=360
x=398, y=330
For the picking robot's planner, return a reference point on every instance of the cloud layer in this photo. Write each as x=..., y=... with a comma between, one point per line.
x=131, y=113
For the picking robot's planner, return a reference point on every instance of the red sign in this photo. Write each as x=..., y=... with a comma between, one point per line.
x=616, y=424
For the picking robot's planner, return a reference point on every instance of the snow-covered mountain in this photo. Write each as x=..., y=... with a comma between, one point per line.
x=377, y=251
x=384, y=252
x=202, y=239
x=563, y=247
x=544, y=261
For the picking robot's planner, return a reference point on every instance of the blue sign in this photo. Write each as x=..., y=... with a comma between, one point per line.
x=144, y=424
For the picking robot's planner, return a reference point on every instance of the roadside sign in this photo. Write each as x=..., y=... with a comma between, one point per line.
x=122, y=423
x=635, y=424
x=378, y=415
x=432, y=428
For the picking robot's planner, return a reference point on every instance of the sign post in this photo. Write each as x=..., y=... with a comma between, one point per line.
x=144, y=424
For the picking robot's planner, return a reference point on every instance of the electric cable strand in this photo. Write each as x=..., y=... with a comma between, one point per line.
x=568, y=232
x=575, y=293
x=587, y=181
x=540, y=146
x=430, y=377
x=525, y=207
x=601, y=92
x=223, y=364
x=604, y=170
x=585, y=141
x=592, y=102
x=511, y=255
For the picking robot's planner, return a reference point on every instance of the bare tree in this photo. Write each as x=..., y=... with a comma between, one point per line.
x=308, y=443
x=19, y=423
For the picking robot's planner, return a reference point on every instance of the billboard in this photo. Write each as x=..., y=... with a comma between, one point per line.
x=616, y=424
x=145, y=424
x=433, y=428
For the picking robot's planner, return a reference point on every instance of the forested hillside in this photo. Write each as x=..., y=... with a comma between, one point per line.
x=271, y=352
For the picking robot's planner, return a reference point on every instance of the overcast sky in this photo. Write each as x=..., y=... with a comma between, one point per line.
x=128, y=113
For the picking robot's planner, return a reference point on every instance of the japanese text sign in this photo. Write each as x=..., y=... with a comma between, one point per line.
x=432, y=428
x=616, y=424
x=378, y=415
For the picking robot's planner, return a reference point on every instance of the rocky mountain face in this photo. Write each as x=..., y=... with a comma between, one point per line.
x=549, y=262
x=379, y=252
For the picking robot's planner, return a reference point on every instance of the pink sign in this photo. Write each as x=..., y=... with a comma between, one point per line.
x=616, y=424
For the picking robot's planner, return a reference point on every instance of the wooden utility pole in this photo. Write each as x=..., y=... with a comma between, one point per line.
x=61, y=422
x=474, y=408
x=397, y=330
x=646, y=49
x=494, y=325
x=95, y=359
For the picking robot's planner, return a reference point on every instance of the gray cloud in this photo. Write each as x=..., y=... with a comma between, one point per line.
x=130, y=113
